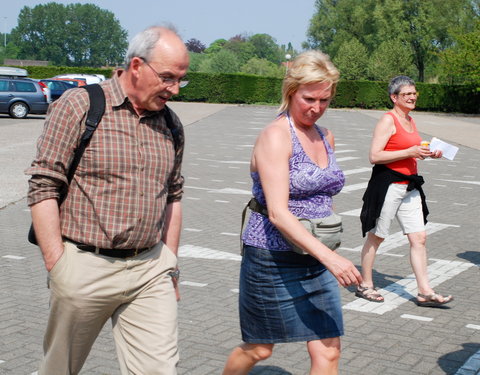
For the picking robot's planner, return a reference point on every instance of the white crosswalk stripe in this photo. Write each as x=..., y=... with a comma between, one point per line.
x=405, y=289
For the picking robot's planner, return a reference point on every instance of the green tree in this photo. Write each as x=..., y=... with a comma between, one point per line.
x=262, y=67
x=223, y=61
x=243, y=49
x=337, y=21
x=265, y=47
x=352, y=60
x=75, y=35
x=196, y=59
x=389, y=60
x=460, y=64
x=421, y=25
x=215, y=46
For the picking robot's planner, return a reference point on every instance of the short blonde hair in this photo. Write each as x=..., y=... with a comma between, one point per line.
x=309, y=67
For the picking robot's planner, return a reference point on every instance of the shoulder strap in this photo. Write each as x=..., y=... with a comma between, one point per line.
x=94, y=115
x=172, y=127
x=95, y=112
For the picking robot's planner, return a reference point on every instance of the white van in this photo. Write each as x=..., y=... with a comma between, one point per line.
x=89, y=78
x=11, y=72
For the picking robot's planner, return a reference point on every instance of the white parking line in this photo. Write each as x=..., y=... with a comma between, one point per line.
x=460, y=181
x=353, y=187
x=347, y=158
x=191, y=283
x=348, y=172
x=193, y=251
x=226, y=161
x=355, y=212
x=399, y=239
x=16, y=257
x=473, y=326
x=221, y=191
x=416, y=317
x=403, y=290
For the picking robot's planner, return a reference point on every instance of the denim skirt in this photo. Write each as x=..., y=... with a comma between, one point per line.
x=287, y=297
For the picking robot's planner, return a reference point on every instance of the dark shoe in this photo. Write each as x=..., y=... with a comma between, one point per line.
x=369, y=293
x=433, y=300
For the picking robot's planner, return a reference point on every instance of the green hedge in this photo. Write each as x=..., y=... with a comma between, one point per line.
x=361, y=94
x=231, y=88
x=240, y=88
x=249, y=89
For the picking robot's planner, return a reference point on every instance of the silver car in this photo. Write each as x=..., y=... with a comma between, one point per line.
x=21, y=96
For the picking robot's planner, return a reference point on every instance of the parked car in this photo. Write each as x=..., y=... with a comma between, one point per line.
x=57, y=88
x=11, y=72
x=21, y=96
x=90, y=78
x=73, y=81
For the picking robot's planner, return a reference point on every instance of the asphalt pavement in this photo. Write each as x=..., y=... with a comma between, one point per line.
x=396, y=337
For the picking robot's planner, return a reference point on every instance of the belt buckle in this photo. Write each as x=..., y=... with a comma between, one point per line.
x=135, y=253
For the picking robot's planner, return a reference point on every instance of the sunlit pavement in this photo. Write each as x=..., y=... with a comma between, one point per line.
x=396, y=337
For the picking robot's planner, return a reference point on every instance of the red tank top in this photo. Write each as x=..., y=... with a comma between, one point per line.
x=400, y=141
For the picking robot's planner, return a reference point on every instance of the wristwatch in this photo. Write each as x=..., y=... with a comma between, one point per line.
x=175, y=274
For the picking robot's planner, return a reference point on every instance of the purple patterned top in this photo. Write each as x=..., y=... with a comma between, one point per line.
x=311, y=192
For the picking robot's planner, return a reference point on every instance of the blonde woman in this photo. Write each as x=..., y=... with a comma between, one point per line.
x=286, y=296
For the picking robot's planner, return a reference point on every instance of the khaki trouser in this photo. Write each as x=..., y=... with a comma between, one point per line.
x=136, y=293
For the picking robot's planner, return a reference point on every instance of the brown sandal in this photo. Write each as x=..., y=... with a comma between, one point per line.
x=369, y=293
x=433, y=300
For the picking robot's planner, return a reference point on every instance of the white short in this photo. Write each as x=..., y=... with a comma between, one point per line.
x=406, y=206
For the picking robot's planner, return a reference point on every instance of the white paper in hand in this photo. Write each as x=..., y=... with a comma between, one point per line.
x=449, y=151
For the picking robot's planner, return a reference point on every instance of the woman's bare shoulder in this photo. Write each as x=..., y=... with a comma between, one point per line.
x=278, y=128
x=386, y=119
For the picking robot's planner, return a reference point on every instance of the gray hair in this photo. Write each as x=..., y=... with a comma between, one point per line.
x=397, y=83
x=144, y=42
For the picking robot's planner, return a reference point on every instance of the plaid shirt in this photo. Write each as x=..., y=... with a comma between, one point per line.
x=125, y=178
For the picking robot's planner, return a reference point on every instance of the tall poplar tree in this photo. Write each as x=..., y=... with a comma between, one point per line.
x=422, y=27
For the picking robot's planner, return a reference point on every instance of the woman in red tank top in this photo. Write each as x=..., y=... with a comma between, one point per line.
x=396, y=146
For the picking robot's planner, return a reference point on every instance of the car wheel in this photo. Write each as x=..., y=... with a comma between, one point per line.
x=18, y=110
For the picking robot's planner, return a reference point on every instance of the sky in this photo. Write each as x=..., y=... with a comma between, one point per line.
x=205, y=20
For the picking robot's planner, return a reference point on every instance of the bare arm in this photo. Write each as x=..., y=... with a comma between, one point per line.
x=173, y=226
x=384, y=129
x=46, y=222
x=171, y=232
x=271, y=155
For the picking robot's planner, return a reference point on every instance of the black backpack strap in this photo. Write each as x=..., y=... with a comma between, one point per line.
x=94, y=115
x=172, y=127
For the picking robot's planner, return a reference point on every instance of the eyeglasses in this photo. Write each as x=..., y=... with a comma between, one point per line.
x=413, y=93
x=167, y=81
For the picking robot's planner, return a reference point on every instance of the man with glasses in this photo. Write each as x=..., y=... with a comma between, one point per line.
x=111, y=248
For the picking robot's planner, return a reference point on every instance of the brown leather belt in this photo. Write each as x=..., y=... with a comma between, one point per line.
x=114, y=253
